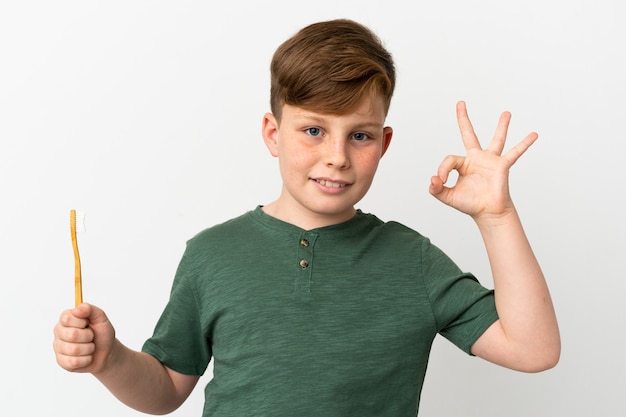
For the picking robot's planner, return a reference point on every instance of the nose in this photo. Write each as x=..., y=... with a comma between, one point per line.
x=336, y=154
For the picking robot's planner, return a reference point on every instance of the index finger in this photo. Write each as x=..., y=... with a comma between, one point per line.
x=470, y=140
x=69, y=319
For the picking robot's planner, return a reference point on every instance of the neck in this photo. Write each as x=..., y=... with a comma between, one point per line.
x=305, y=220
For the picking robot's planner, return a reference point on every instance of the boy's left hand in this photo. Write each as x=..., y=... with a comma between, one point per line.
x=482, y=188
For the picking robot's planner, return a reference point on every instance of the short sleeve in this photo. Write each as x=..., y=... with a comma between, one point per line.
x=179, y=340
x=462, y=307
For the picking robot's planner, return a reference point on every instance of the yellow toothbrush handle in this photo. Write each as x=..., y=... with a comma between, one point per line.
x=78, y=281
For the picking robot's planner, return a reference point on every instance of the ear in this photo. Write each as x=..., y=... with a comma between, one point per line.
x=270, y=133
x=387, y=134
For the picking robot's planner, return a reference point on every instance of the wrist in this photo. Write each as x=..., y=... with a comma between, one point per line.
x=506, y=218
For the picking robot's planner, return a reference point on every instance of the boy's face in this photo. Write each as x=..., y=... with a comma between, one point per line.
x=327, y=162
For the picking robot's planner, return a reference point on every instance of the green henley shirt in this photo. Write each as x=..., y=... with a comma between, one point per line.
x=334, y=321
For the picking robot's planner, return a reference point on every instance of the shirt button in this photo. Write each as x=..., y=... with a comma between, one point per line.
x=304, y=263
x=304, y=242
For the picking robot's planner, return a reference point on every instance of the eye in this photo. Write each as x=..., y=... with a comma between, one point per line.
x=313, y=131
x=360, y=136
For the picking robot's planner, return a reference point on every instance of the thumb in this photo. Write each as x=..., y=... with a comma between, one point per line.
x=437, y=188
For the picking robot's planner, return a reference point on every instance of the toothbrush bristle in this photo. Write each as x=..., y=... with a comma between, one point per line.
x=80, y=221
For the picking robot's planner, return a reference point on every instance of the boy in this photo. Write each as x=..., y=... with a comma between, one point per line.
x=310, y=307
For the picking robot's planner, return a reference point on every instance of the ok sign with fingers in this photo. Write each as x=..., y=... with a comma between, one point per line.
x=482, y=186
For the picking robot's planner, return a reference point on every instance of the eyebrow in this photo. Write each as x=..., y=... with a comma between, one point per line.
x=321, y=120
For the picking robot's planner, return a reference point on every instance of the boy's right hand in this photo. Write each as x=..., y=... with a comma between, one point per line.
x=83, y=339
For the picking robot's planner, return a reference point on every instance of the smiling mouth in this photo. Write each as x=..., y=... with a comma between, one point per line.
x=330, y=184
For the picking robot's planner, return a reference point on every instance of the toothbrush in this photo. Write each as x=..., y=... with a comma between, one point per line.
x=77, y=224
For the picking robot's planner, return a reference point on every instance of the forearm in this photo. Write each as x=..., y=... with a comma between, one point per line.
x=140, y=381
x=523, y=301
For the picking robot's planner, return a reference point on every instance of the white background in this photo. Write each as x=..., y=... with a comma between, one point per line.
x=146, y=115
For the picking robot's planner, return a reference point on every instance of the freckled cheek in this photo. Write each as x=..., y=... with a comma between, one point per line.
x=303, y=159
x=367, y=162
x=296, y=164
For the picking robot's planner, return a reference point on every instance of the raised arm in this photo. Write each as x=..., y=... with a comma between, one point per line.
x=526, y=336
x=84, y=341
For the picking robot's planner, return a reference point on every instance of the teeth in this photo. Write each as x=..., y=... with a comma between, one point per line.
x=331, y=184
